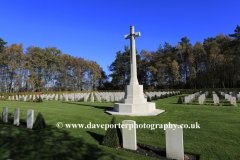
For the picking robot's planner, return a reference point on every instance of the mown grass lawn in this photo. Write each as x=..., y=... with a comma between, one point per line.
x=217, y=138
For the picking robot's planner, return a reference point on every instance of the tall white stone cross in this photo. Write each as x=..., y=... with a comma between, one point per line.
x=134, y=102
x=131, y=36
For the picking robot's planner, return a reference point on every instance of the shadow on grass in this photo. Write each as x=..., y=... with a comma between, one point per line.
x=99, y=107
x=97, y=137
x=209, y=101
x=48, y=144
x=187, y=104
x=100, y=138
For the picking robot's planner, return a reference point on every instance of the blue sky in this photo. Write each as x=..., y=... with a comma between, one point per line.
x=95, y=30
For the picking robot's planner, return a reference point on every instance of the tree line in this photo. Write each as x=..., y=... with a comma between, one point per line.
x=213, y=64
x=37, y=70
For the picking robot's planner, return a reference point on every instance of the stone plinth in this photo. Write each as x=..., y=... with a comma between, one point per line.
x=135, y=108
x=135, y=104
x=134, y=94
x=153, y=113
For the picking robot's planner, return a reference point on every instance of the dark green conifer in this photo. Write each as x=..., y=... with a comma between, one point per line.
x=148, y=99
x=39, y=99
x=161, y=97
x=112, y=137
x=39, y=123
x=166, y=95
x=179, y=101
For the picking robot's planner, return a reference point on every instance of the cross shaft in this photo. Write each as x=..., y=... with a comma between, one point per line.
x=133, y=63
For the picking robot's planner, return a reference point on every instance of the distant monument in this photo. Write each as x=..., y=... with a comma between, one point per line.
x=134, y=103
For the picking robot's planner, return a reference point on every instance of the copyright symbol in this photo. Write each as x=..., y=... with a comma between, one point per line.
x=59, y=125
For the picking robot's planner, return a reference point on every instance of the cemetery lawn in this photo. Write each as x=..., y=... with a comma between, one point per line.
x=217, y=137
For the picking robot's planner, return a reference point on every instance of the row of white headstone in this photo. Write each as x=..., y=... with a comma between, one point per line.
x=30, y=117
x=174, y=139
x=107, y=96
x=231, y=99
x=158, y=94
x=191, y=97
x=112, y=96
x=233, y=94
x=216, y=98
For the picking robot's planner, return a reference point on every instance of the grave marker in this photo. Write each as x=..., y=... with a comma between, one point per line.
x=30, y=116
x=129, y=135
x=174, y=143
x=5, y=114
x=16, y=116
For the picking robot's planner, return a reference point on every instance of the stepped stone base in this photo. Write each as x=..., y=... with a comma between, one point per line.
x=144, y=109
x=135, y=104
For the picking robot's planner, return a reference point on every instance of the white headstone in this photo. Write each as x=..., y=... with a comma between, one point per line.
x=85, y=98
x=5, y=114
x=30, y=117
x=100, y=99
x=66, y=98
x=233, y=101
x=174, y=143
x=108, y=98
x=129, y=135
x=16, y=116
x=92, y=97
x=112, y=98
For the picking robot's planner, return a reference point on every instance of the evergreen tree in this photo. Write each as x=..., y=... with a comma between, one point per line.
x=161, y=97
x=179, y=100
x=39, y=100
x=148, y=99
x=39, y=123
x=111, y=139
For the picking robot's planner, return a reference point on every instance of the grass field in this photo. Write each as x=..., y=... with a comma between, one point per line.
x=217, y=138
